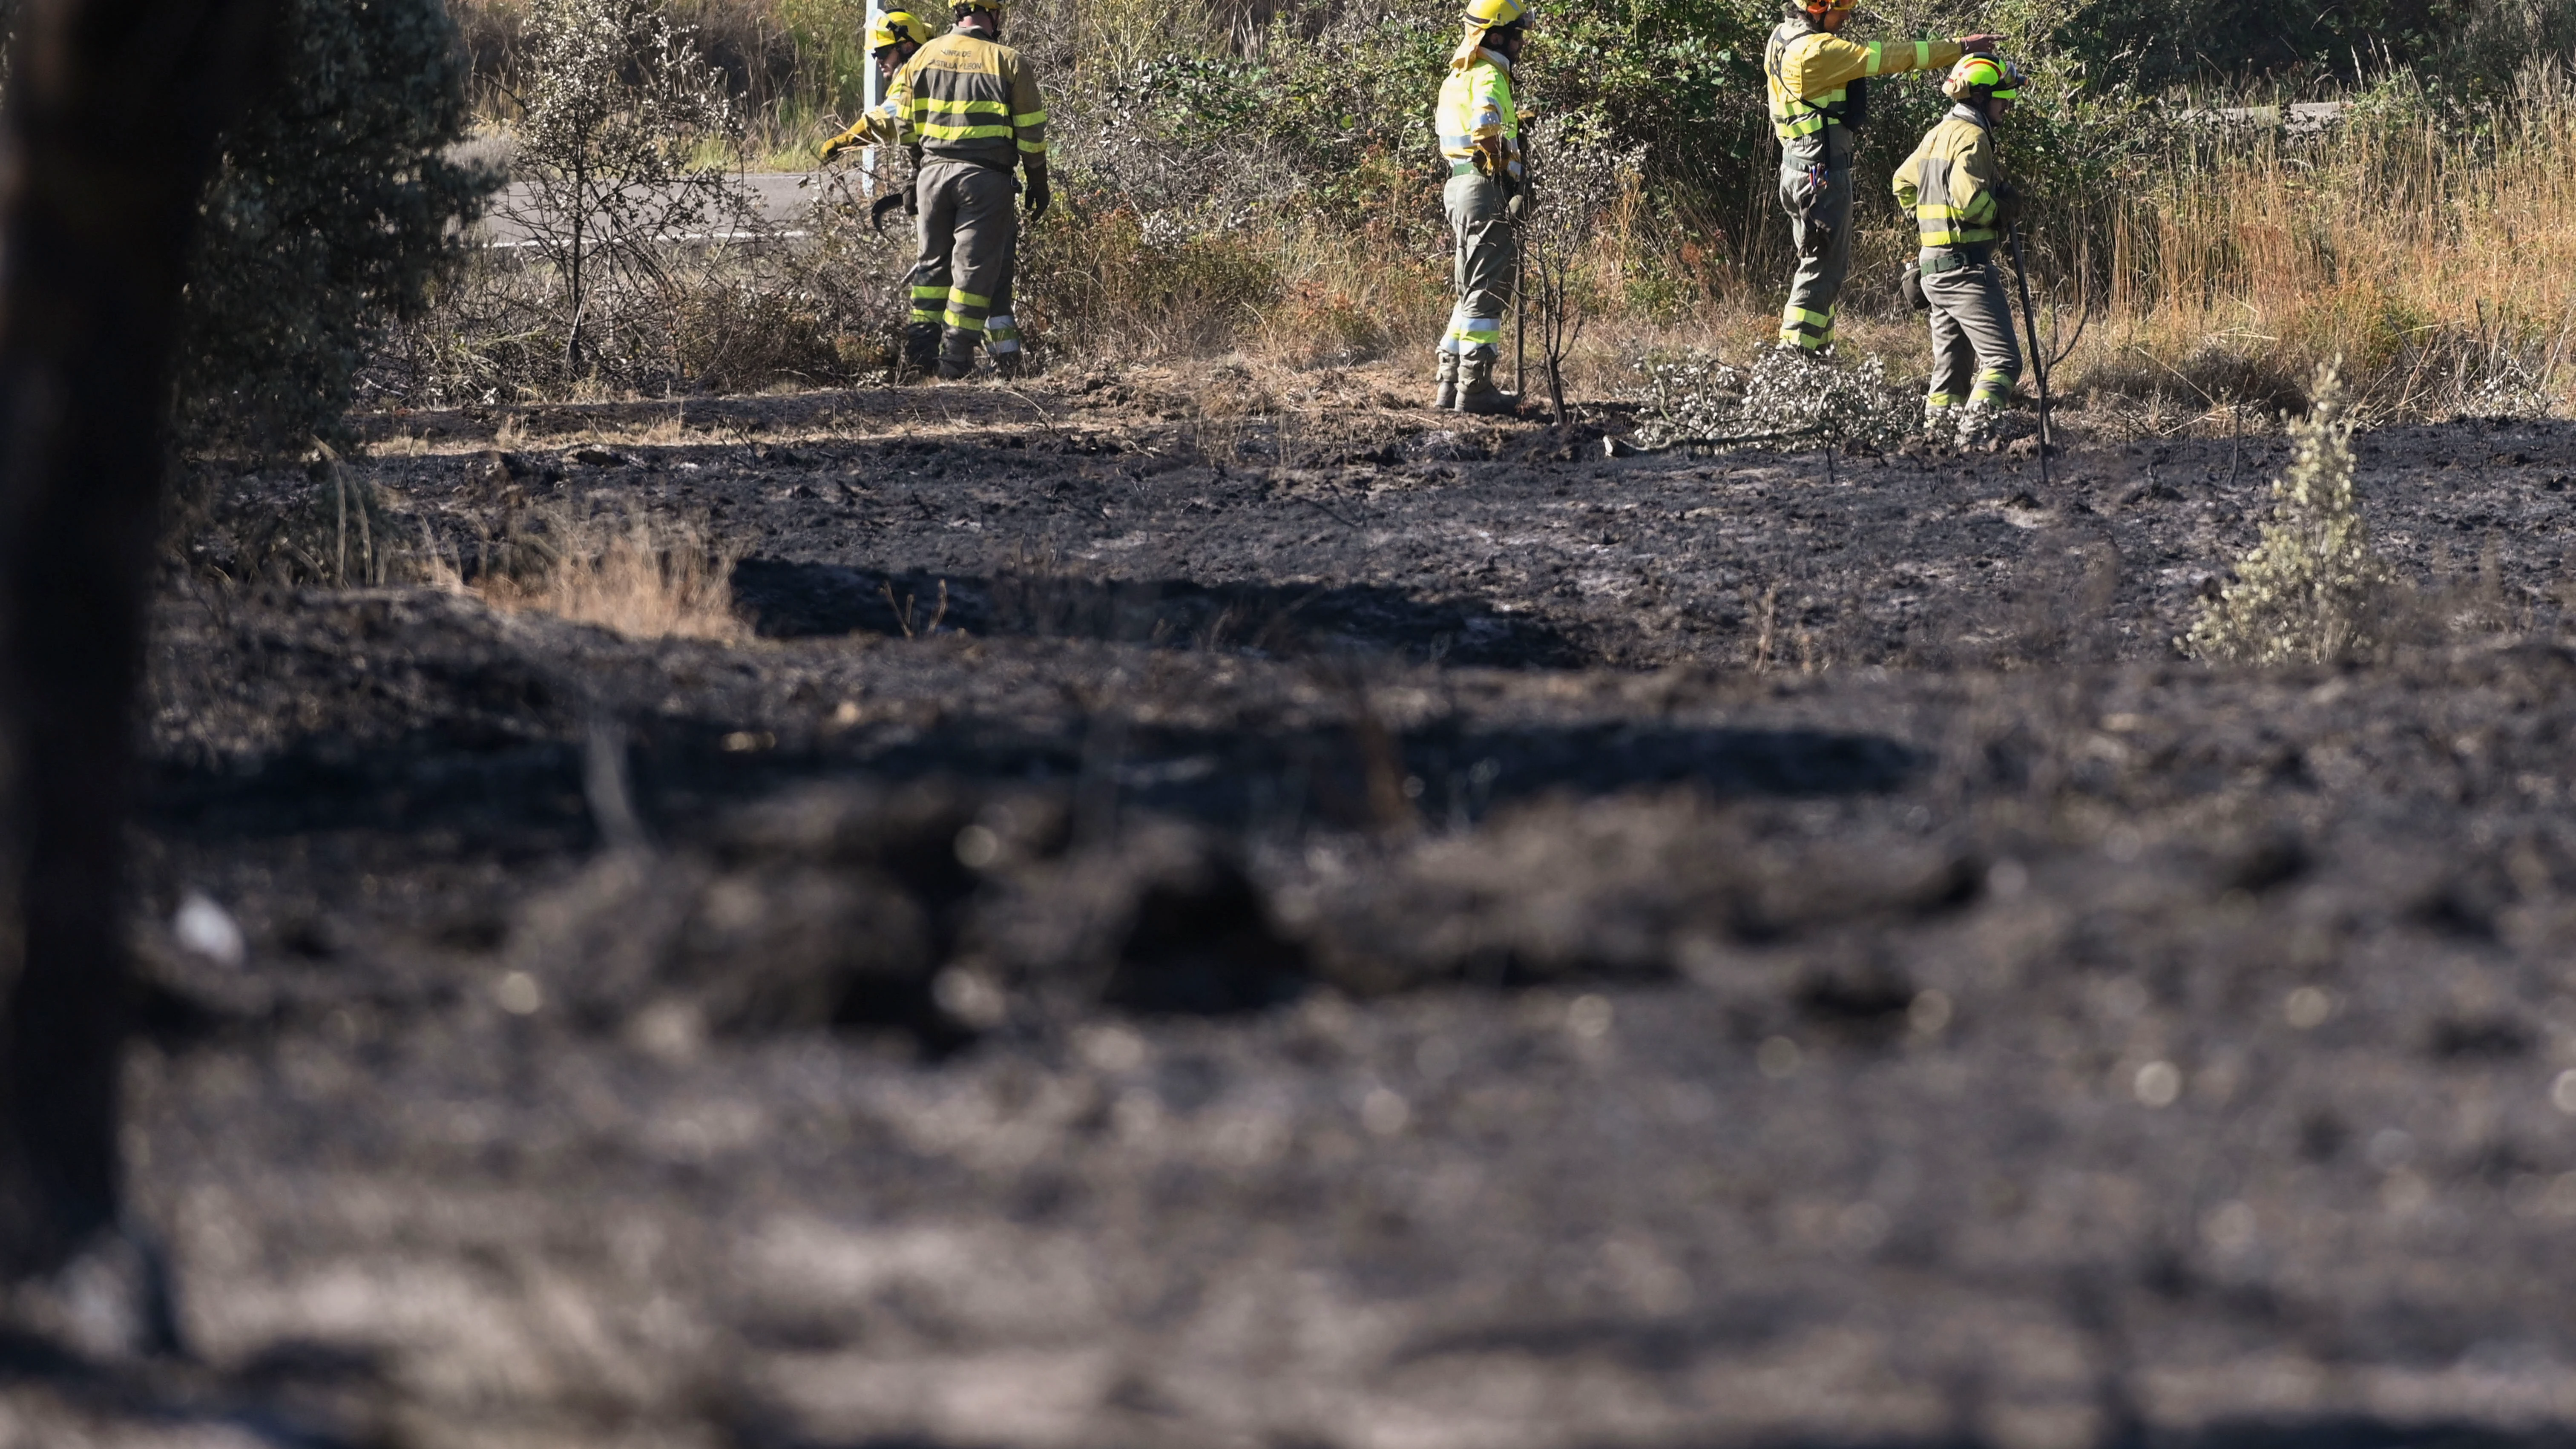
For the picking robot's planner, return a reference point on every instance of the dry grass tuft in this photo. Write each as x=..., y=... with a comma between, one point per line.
x=642, y=576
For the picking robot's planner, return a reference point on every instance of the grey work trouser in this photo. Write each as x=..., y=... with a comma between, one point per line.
x=969, y=232
x=1974, y=357
x=1483, y=273
x=1816, y=189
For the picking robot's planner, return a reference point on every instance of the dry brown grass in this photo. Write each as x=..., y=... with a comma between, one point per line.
x=2434, y=264
x=643, y=576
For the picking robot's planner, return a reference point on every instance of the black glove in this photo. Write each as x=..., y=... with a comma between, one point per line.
x=1041, y=196
x=2007, y=207
x=877, y=210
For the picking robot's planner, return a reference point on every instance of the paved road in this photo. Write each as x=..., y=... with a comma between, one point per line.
x=2299, y=117
x=781, y=200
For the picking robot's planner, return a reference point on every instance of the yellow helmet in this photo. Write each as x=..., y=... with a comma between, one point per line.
x=1494, y=14
x=989, y=7
x=897, y=27
x=1983, y=78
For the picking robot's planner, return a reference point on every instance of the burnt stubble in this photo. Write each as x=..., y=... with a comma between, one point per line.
x=1397, y=933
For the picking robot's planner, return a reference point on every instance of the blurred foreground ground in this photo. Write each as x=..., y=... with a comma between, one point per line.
x=1358, y=932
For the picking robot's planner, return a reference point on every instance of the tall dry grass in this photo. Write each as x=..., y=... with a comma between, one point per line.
x=2436, y=259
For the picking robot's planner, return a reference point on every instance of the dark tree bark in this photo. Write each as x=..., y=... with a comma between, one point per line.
x=113, y=111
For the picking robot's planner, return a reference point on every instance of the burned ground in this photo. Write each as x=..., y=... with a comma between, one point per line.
x=1304, y=924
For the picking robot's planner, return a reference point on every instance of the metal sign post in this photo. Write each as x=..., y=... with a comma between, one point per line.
x=868, y=101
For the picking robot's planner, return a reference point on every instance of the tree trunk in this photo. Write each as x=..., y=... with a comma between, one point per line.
x=113, y=107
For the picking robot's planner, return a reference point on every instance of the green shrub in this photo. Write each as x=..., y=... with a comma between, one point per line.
x=2312, y=588
x=329, y=222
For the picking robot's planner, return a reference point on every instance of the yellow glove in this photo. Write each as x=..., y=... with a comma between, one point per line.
x=855, y=136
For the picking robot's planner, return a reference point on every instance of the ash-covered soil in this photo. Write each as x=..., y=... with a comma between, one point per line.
x=1354, y=931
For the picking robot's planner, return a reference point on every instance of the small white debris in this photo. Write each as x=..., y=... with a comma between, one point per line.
x=206, y=929
x=2307, y=1008
x=1384, y=1113
x=519, y=994
x=978, y=847
x=1589, y=1017
x=1778, y=1058
x=2158, y=1084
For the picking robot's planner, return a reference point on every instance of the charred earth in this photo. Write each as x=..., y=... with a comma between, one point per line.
x=1282, y=920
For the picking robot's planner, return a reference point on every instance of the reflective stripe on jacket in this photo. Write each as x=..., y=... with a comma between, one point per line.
x=965, y=98
x=1809, y=72
x=1949, y=183
x=1476, y=105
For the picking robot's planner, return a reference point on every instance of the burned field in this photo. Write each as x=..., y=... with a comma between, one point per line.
x=1290, y=923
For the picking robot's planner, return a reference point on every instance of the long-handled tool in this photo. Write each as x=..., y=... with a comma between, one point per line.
x=1520, y=288
x=1520, y=325
x=2038, y=359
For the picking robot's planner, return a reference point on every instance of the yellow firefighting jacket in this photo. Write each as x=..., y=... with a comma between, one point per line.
x=1951, y=185
x=1810, y=72
x=1476, y=105
x=965, y=98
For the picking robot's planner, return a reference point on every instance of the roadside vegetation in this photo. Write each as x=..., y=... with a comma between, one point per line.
x=1240, y=184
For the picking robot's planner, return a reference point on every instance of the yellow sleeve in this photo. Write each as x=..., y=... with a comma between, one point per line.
x=1824, y=63
x=1487, y=99
x=1903, y=184
x=880, y=127
x=1972, y=182
x=1028, y=116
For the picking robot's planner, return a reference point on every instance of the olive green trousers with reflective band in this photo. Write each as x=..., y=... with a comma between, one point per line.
x=1823, y=261
x=1483, y=274
x=969, y=231
x=1974, y=357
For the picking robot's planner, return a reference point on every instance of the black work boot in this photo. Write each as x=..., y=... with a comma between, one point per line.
x=953, y=368
x=1476, y=390
x=920, y=346
x=1444, y=395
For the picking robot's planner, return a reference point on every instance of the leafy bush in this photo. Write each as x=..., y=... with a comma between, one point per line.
x=614, y=105
x=329, y=222
x=733, y=316
x=2310, y=590
x=1577, y=180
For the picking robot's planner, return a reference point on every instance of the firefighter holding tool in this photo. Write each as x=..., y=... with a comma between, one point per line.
x=1819, y=86
x=972, y=108
x=892, y=42
x=1962, y=207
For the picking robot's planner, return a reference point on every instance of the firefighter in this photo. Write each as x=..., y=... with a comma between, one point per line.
x=1486, y=193
x=1819, y=84
x=891, y=43
x=1962, y=205
x=972, y=105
